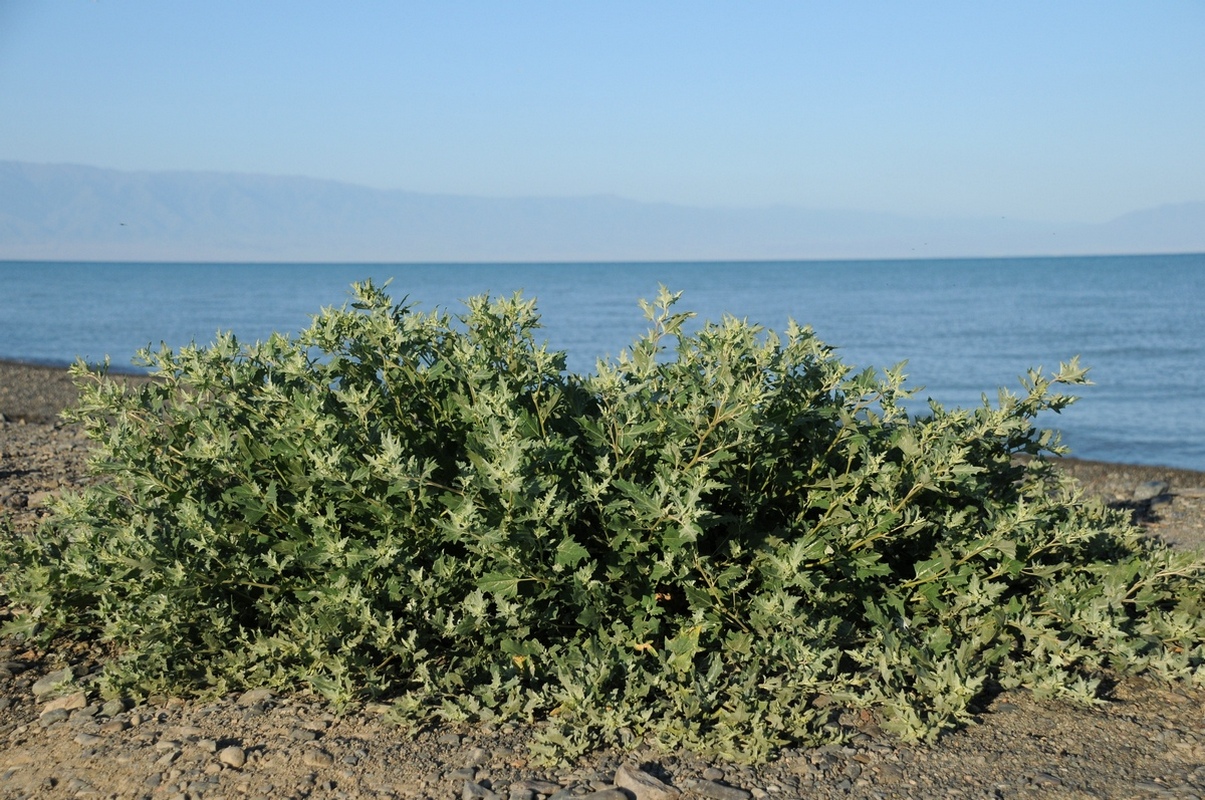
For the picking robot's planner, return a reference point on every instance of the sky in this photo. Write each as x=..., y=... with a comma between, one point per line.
x=1075, y=111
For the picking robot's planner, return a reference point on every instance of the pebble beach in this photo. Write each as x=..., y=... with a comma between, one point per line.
x=60, y=739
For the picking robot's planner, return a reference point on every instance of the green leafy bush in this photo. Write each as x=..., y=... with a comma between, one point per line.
x=715, y=541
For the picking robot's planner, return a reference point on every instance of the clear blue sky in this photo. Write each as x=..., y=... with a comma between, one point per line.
x=1078, y=110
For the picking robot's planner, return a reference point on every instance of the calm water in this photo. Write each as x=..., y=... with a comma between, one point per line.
x=964, y=326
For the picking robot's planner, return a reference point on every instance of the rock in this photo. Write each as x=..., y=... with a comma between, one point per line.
x=606, y=794
x=11, y=668
x=232, y=756
x=52, y=717
x=476, y=757
x=315, y=757
x=1150, y=490
x=53, y=682
x=644, y=785
x=68, y=702
x=475, y=791
x=719, y=791
x=537, y=787
x=253, y=696
x=114, y=726
x=451, y=739
x=39, y=498
x=78, y=786
x=713, y=774
x=167, y=759
x=113, y=707
x=86, y=738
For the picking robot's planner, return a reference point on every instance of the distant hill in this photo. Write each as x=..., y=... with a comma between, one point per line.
x=69, y=212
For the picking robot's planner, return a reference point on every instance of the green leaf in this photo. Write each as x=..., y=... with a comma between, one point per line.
x=569, y=553
x=499, y=583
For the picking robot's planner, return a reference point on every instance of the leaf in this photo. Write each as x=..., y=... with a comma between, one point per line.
x=499, y=583
x=569, y=553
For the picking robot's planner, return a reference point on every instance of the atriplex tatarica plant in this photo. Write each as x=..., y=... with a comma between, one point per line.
x=717, y=541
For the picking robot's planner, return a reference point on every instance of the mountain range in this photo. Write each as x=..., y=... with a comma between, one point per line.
x=73, y=212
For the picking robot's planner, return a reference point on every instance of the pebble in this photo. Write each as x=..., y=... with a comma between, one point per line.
x=10, y=668
x=537, y=787
x=1150, y=490
x=476, y=757
x=52, y=717
x=644, y=785
x=253, y=696
x=68, y=702
x=114, y=726
x=718, y=791
x=232, y=756
x=52, y=682
x=314, y=757
x=475, y=791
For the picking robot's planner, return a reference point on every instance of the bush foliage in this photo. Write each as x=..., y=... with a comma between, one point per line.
x=715, y=541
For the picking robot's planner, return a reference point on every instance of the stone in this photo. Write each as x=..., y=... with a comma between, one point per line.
x=314, y=757
x=53, y=682
x=253, y=696
x=451, y=739
x=39, y=498
x=644, y=785
x=68, y=702
x=232, y=756
x=536, y=787
x=713, y=774
x=114, y=726
x=79, y=786
x=1150, y=490
x=720, y=791
x=52, y=717
x=86, y=739
x=476, y=757
x=610, y=793
x=113, y=707
x=475, y=791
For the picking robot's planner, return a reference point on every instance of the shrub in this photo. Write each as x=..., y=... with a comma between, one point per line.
x=716, y=541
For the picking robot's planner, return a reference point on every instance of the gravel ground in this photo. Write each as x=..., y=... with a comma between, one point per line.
x=59, y=739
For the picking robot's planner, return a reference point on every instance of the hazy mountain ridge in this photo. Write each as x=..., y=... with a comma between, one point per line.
x=85, y=213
